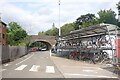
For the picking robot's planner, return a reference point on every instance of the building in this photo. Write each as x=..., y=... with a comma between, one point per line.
x=2, y=33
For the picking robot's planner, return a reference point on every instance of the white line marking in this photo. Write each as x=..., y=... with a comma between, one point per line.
x=114, y=77
x=6, y=64
x=89, y=71
x=21, y=67
x=90, y=67
x=25, y=59
x=87, y=75
x=99, y=68
x=2, y=70
x=93, y=68
x=104, y=76
x=34, y=68
x=50, y=69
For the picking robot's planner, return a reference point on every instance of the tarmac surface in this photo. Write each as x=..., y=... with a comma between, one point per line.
x=42, y=65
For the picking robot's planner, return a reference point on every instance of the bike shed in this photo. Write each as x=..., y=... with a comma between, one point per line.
x=105, y=37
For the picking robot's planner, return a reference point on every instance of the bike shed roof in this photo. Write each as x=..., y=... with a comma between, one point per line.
x=100, y=29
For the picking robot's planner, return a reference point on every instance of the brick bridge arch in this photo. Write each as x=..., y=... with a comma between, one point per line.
x=49, y=40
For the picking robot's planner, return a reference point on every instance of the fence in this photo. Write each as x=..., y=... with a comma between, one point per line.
x=10, y=53
x=0, y=53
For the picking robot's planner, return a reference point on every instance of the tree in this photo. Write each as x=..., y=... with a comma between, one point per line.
x=15, y=34
x=67, y=28
x=25, y=41
x=52, y=32
x=64, y=29
x=107, y=16
x=86, y=20
x=9, y=38
x=118, y=7
x=41, y=33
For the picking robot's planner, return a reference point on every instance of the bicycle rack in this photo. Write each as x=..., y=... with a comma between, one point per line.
x=94, y=39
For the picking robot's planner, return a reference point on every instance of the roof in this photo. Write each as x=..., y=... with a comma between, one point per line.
x=99, y=29
x=3, y=23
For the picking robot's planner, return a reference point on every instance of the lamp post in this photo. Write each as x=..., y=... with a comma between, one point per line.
x=59, y=20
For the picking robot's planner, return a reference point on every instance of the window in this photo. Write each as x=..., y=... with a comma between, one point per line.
x=3, y=36
x=0, y=35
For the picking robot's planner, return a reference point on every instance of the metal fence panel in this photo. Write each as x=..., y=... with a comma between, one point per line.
x=5, y=53
x=13, y=52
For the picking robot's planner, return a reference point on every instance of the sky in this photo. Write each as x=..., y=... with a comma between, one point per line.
x=39, y=15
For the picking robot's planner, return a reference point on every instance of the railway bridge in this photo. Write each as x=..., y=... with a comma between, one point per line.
x=48, y=40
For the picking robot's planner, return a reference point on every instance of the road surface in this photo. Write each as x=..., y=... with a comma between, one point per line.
x=33, y=65
x=41, y=65
x=78, y=69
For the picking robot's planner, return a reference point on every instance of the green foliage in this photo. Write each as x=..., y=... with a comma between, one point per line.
x=118, y=5
x=41, y=33
x=90, y=23
x=38, y=44
x=15, y=34
x=107, y=16
x=67, y=28
x=25, y=41
x=52, y=32
x=118, y=24
x=55, y=31
x=9, y=37
x=86, y=20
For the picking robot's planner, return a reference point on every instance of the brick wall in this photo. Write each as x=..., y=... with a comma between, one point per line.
x=2, y=33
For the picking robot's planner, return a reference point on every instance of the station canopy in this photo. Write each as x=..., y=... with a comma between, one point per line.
x=100, y=29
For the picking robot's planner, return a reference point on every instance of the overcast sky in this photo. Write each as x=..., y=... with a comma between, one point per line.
x=39, y=15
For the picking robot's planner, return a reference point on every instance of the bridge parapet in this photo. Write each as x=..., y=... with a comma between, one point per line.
x=49, y=39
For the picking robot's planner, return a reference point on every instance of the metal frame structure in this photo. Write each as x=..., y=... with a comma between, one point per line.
x=74, y=37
